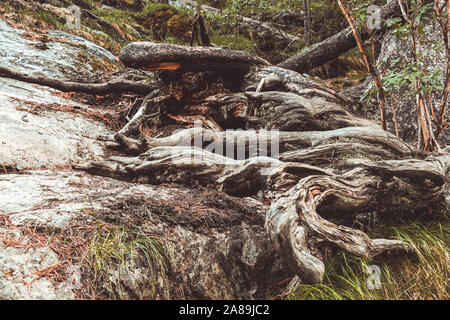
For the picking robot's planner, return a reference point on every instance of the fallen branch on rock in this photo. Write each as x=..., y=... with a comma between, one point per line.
x=118, y=86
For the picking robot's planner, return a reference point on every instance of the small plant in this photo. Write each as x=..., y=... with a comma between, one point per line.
x=413, y=13
x=397, y=76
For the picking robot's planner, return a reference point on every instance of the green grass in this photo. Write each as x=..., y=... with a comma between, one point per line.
x=421, y=277
x=116, y=15
x=153, y=8
x=232, y=41
x=39, y=14
x=118, y=249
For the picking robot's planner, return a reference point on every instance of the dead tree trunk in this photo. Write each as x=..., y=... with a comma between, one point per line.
x=148, y=55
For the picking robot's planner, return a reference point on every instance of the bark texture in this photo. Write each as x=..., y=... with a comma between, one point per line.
x=147, y=54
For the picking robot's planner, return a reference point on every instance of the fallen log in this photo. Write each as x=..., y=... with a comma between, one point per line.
x=152, y=56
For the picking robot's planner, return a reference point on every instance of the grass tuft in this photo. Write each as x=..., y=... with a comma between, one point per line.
x=117, y=249
x=421, y=277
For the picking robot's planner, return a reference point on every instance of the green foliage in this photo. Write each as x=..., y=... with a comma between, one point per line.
x=116, y=15
x=153, y=8
x=247, y=7
x=401, y=73
x=50, y=18
x=39, y=15
x=232, y=41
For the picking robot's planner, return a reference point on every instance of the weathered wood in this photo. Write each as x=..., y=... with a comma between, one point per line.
x=331, y=166
x=192, y=59
x=372, y=140
x=133, y=125
x=117, y=85
x=275, y=78
x=298, y=191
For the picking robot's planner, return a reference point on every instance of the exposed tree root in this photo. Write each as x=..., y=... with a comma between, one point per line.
x=297, y=190
x=322, y=169
x=275, y=78
x=117, y=86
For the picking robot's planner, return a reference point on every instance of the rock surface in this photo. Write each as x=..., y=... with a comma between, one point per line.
x=17, y=271
x=43, y=139
x=215, y=255
x=52, y=54
x=395, y=47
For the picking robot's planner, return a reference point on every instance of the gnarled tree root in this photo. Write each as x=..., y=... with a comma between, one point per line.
x=116, y=86
x=297, y=192
x=327, y=166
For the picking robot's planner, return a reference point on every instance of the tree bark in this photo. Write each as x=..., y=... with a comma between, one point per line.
x=148, y=55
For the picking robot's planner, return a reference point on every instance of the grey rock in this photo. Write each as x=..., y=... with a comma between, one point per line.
x=395, y=47
x=17, y=270
x=62, y=60
x=47, y=139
